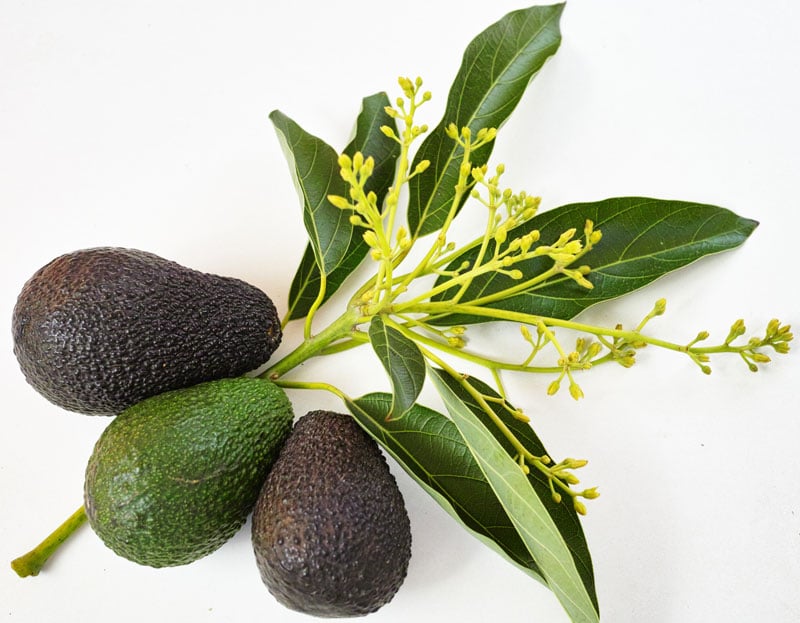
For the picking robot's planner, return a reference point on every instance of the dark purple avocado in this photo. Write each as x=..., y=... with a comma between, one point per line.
x=330, y=529
x=98, y=330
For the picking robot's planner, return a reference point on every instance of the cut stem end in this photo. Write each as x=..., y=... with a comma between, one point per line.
x=32, y=562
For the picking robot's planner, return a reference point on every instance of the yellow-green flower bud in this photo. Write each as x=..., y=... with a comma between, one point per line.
x=339, y=202
x=591, y=493
x=456, y=341
x=368, y=167
x=370, y=238
x=575, y=391
x=402, y=233
x=565, y=237
x=422, y=167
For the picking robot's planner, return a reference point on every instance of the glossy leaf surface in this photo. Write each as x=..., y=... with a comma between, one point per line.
x=643, y=239
x=370, y=141
x=495, y=71
x=315, y=171
x=429, y=447
x=524, y=507
x=563, y=514
x=403, y=363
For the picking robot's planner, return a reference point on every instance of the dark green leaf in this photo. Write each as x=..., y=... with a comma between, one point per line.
x=370, y=141
x=496, y=69
x=429, y=447
x=403, y=362
x=562, y=514
x=529, y=515
x=643, y=239
x=315, y=170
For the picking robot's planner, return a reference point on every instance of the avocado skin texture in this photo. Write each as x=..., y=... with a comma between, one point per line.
x=175, y=476
x=330, y=529
x=98, y=330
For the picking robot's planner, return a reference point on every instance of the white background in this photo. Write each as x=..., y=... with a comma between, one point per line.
x=144, y=124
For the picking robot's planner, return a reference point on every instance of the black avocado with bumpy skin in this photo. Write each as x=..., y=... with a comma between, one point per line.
x=98, y=330
x=330, y=529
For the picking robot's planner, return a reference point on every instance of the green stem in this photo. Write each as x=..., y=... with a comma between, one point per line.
x=356, y=339
x=436, y=308
x=311, y=385
x=480, y=399
x=32, y=562
x=341, y=328
x=315, y=305
x=491, y=364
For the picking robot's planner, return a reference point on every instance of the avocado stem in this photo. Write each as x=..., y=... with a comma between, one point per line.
x=342, y=328
x=32, y=562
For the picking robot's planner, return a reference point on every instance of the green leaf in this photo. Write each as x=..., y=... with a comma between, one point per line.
x=525, y=508
x=370, y=141
x=643, y=239
x=564, y=515
x=404, y=364
x=315, y=170
x=496, y=69
x=429, y=447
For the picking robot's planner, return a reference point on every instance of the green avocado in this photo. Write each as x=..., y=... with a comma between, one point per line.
x=175, y=476
x=330, y=529
x=98, y=330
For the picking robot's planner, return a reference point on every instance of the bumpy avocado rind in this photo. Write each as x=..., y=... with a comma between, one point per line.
x=174, y=477
x=98, y=330
x=330, y=530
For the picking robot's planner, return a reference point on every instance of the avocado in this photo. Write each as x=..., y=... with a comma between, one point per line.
x=175, y=476
x=98, y=330
x=330, y=530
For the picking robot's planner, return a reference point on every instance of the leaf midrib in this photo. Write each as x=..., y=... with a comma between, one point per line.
x=473, y=116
